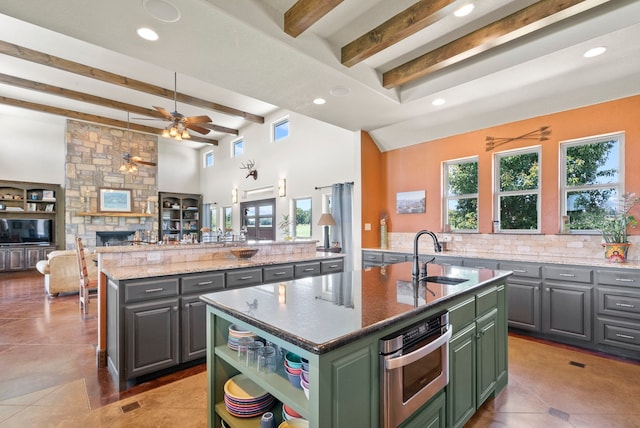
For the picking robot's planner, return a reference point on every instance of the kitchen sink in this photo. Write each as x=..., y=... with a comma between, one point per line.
x=447, y=280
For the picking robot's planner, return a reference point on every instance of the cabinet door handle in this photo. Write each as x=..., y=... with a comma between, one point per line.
x=625, y=280
x=205, y=283
x=520, y=270
x=548, y=289
x=153, y=290
x=568, y=275
x=244, y=278
x=309, y=270
x=480, y=267
x=625, y=336
x=333, y=266
x=279, y=273
x=625, y=305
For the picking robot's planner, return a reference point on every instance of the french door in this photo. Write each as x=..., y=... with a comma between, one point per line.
x=259, y=218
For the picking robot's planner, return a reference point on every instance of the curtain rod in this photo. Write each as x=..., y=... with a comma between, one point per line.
x=331, y=185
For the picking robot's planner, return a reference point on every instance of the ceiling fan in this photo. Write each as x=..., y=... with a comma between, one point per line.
x=136, y=160
x=130, y=163
x=179, y=127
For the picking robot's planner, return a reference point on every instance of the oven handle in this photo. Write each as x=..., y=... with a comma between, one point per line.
x=394, y=363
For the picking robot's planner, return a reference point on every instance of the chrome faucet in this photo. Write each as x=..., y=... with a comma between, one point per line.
x=416, y=263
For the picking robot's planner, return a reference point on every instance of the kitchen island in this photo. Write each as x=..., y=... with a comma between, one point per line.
x=335, y=321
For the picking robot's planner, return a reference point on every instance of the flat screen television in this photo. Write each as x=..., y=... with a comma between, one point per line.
x=26, y=231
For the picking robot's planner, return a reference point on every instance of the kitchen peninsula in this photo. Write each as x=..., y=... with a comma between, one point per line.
x=150, y=315
x=335, y=321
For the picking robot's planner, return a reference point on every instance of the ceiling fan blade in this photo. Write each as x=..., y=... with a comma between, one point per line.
x=138, y=159
x=198, y=119
x=196, y=128
x=164, y=112
x=146, y=163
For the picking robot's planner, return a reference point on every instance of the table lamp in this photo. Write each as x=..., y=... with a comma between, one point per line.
x=326, y=220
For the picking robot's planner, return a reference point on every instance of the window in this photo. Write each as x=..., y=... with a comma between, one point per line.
x=208, y=159
x=238, y=148
x=303, y=218
x=461, y=194
x=280, y=129
x=228, y=226
x=517, y=202
x=591, y=179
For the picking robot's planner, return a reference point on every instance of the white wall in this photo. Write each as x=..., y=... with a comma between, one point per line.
x=315, y=154
x=178, y=167
x=32, y=146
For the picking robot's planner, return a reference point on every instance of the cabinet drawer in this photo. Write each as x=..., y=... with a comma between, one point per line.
x=244, y=277
x=330, y=266
x=202, y=283
x=462, y=314
x=135, y=291
x=393, y=258
x=448, y=261
x=568, y=274
x=480, y=263
x=277, y=273
x=307, y=269
x=522, y=269
x=372, y=257
x=486, y=300
x=617, y=302
x=618, y=333
x=619, y=277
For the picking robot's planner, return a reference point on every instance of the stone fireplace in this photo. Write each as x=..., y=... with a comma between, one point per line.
x=93, y=159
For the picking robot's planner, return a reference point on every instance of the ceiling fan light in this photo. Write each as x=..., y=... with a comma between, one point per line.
x=173, y=131
x=178, y=137
x=165, y=133
x=186, y=135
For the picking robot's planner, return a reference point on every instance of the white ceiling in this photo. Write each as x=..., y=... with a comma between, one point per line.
x=235, y=53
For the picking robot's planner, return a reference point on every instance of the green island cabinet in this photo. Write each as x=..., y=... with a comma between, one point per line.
x=344, y=382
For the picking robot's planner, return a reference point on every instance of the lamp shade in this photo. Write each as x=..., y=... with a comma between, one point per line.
x=326, y=219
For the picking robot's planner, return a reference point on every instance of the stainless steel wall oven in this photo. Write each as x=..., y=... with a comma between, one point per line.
x=414, y=366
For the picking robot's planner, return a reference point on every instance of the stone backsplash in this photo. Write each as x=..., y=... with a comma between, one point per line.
x=566, y=246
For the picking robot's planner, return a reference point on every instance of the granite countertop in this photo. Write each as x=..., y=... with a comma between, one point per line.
x=217, y=244
x=515, y=257
x=226, y=263
x=325, y=312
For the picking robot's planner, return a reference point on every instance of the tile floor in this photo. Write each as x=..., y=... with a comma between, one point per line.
x=48, y=377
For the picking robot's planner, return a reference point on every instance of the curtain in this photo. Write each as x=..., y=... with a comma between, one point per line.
x=206, y=216
x=342, y=212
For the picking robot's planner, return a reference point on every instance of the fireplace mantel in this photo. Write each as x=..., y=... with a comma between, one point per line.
x=97, y=214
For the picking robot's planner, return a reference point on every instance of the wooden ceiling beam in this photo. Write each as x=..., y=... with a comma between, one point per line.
x=92, y=99
x=408, y=22
x=93, y=118
x=304, y=13
x=532, y=18
x=116, y=79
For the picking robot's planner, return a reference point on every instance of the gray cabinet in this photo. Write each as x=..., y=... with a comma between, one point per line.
x=567, y=304
x=617, y=321
x=244, y=277
x=391, y=258
x=11, y=259
x=302, y=270
x=331, y=266
x=524, y=297
x=277, y=273
x=480, y=263
x=371, y=258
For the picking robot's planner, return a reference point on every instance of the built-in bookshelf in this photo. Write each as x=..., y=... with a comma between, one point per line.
x=179, y=215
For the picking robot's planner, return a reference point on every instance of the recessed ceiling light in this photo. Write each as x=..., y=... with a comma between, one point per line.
x=161, y=10
x=464, y=10
x=147, y=34
x=319, y=101
x=340, y=91
x=595, y=52
x=438, y=101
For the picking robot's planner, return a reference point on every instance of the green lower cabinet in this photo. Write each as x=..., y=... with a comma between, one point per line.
x=486, y=354
x=431, y=415
x=461, y=391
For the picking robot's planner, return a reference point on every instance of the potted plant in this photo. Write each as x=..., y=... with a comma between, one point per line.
x=285, y=226
x=614, y=228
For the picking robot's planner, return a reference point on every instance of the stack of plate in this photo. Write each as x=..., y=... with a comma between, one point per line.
x=236, y=333
x=244, y=399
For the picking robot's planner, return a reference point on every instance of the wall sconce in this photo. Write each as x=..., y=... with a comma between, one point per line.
x=234, y=196
x=282, y=187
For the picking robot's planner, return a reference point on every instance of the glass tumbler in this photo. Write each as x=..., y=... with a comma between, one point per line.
x=243, y=347
x=252, y=353
x=267, y=359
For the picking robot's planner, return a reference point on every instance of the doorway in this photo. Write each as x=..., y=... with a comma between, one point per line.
x=259, y=219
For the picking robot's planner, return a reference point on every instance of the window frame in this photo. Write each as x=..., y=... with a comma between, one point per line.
x=234, y=144
x=205, y=157
x=562, y=175
x=447, y=197
x=277, y=123
x=497, y=193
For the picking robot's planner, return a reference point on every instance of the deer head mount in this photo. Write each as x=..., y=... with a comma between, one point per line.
x=249, y=167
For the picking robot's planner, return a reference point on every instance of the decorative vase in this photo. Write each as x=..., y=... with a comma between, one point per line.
x=616, y=252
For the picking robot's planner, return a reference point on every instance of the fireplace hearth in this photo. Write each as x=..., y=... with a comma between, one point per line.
x=114, y=238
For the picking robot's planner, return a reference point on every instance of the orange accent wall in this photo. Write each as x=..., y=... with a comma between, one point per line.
x=419, y=166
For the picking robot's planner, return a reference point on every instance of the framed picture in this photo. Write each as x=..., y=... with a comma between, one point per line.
x=411, y=202
x=114, y=200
